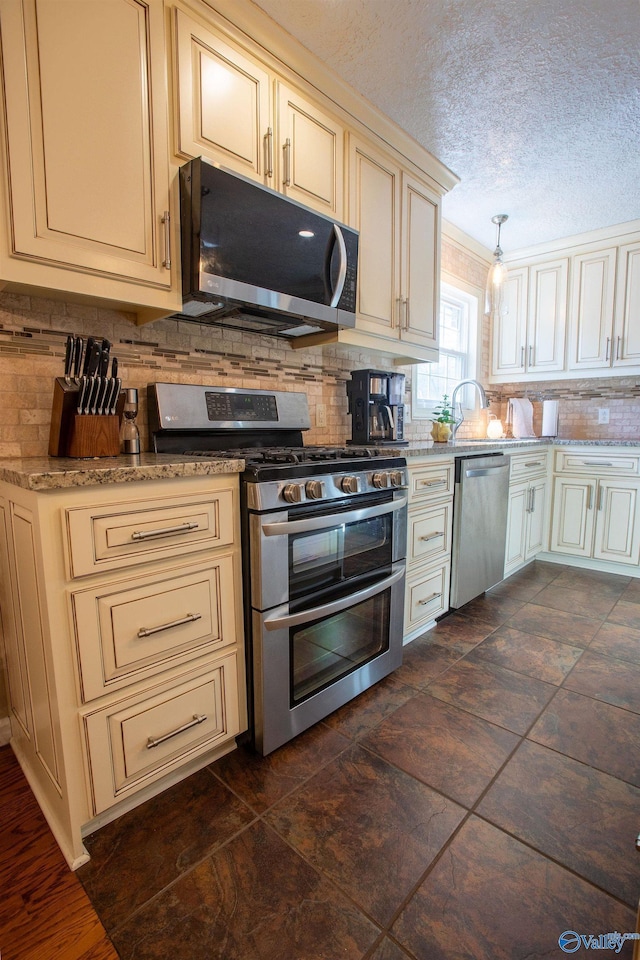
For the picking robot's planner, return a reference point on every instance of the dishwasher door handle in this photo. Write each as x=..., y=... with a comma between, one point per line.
x=484, y=471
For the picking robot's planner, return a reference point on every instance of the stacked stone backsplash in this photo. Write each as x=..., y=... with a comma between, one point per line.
x=33, y=334
x=578, y=405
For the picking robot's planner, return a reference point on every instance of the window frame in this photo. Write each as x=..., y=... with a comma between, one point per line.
x=453, y=288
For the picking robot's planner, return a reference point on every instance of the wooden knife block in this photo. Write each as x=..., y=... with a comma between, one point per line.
x=80, y=435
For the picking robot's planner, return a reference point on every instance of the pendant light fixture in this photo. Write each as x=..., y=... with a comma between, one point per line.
x=495, y=293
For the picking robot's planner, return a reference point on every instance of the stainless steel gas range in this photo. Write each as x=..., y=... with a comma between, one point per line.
x=324, y=544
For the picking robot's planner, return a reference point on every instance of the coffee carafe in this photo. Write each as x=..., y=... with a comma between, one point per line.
x=376, y=405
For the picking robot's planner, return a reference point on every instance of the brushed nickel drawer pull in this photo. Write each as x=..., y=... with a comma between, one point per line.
x=156, y=741
x=434, y=596
x=535, y=463
x=164, y=531
x=149, y=631
x=431, y=483
x=596, y=463
x=432, y=536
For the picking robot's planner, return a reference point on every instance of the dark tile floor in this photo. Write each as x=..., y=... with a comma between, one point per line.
x=475, y=805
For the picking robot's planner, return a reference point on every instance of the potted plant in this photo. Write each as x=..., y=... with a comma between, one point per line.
x=442, y=419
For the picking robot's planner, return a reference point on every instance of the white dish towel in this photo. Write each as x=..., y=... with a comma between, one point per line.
x=521, y=414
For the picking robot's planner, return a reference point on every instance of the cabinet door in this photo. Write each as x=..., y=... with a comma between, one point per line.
x=617, y=526
x=627, y=328
x=224, y=102
x=515, y=553
x=591, y=309
x=311, y=158
x=536, y=518
x=374, y=191
x=420, y=263
x=87, y=135
x=573, y=516
x=547, y=316
x=509, y=330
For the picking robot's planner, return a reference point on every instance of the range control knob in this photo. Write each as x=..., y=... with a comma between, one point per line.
x=397, y=478
x=315, y=489
x=381, y=480
x=292, y=493
x=351, y=485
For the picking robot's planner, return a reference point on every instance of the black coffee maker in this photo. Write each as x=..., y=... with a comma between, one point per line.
x=376, y=407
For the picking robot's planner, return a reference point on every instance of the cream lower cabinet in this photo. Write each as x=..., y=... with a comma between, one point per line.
x=429, y=526
x=528, y=509
x=236, y=111
x=86, y=147
x=596, y=514
x=122, y=624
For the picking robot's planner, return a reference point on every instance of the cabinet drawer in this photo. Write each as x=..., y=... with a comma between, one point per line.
x=131, y=629
x=533, y=464
x=602, y=463
x=426, y=597
x=110, y=537
x=429, y=533
x=431, y=482
x=134, y=742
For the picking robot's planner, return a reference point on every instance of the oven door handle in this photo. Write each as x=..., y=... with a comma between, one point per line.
x=286, y=527
x=327, y=609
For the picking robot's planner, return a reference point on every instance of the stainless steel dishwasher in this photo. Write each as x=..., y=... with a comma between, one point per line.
x=480, y=504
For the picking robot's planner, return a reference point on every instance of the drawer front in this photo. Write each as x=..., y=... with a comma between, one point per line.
x=108, y=538
x=130, y=630
x=431, y=482
x=426, y=597
x=525, y=465
x=429, y=533
x=131, y=744
x=601, y=463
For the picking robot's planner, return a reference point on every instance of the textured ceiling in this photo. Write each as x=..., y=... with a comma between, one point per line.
x=535, y=105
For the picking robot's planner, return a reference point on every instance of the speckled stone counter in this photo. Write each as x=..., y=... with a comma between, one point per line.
x=428, y=448
x=56, y=473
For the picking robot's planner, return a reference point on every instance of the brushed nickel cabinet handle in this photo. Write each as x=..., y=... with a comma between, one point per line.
x=431, y=483
x=606, y=355
x=165, y=220
x=434, y=596
x=618, y=348
x=600, y=497
x=163, y=532
x=149, y=631
x=268, y=152
x=286, y=150
x=156, y=741
x=432, y=536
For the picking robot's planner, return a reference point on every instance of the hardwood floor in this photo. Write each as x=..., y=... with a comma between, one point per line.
x=44, y=911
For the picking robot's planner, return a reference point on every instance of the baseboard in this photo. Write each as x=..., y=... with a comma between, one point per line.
x=5, y=731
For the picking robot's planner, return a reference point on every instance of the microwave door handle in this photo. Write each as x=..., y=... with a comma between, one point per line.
x=287, y=527
x=337, y=238
x=327, y=609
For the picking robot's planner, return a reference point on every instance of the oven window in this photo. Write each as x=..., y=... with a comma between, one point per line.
x=326, y=650
x=323, y=560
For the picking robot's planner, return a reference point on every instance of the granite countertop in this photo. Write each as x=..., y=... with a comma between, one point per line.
x=56, y=473
x=455, y=448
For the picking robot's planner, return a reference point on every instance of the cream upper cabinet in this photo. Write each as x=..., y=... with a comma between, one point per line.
x=626, y=349
x=398, y=263
x=509, y=331
x=237, y=112
x=591, y=309
x=530, y=337
x=87, y=149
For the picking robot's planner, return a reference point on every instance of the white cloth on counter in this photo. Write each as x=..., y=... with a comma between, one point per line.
x=549, y=418
x=521, y=415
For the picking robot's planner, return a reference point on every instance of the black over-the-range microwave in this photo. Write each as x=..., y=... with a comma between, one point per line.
x=252, y=259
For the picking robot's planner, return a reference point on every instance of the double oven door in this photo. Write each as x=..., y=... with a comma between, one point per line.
x=327, y=597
